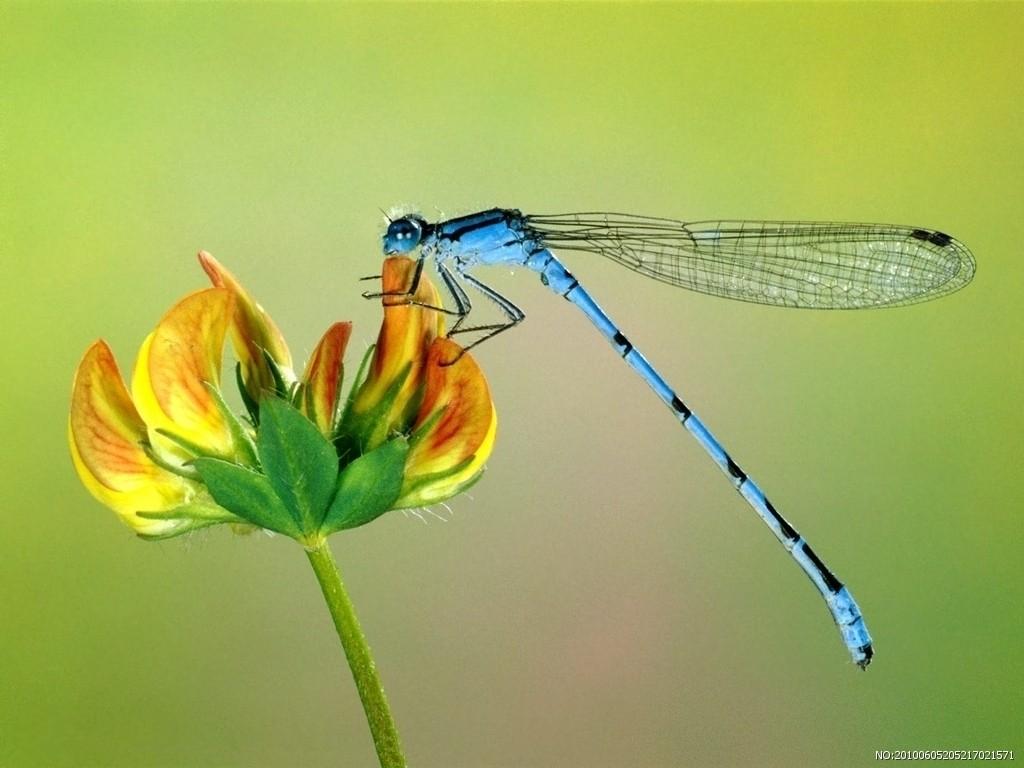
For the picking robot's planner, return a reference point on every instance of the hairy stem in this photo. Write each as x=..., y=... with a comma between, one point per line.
x=360, y=661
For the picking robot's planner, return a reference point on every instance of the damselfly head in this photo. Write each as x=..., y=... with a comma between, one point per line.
x=404, y=234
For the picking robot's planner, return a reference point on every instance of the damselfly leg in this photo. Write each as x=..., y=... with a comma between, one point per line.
x=513, y=313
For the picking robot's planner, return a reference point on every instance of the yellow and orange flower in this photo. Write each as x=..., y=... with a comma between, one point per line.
x=171, y=456
x=414, y=387
x=108, y=438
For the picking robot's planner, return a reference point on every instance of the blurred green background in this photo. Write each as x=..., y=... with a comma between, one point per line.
x=604, y=598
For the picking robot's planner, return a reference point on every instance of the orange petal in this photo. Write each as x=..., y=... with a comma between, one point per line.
x=323, y=377
x=464, y=433
x=252, y=331
x=105, y=433
x=176, y=363
x=404, y=338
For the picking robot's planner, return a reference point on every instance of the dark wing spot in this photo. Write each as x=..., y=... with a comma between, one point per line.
x=940, y=239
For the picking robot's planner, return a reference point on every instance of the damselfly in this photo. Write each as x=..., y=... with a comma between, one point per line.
x=810, y=265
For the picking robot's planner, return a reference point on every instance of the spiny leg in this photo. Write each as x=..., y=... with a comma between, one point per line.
x=456, y=292
x=463, y=304
x=410, y=291
x=514, y=314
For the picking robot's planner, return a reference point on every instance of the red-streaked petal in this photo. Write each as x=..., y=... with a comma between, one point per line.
x=105, y=433
x=463, y=435
x=176, y=363
x=323, y=376
x=252, y=331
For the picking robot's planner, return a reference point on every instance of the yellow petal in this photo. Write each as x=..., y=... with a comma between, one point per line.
x=252, y=331
x=463, y=435
x=322, y=378
x=404, y=338
x=105, y=433
x=176, y=363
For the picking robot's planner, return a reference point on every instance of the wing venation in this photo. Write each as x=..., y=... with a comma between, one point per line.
x=817, y=265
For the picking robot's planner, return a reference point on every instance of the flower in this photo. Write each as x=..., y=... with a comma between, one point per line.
x=107, y=437
x=388, y=398
x=257, y=341
x=422, y=384
x=321, y=387
x=171, y=456
x=455, y=428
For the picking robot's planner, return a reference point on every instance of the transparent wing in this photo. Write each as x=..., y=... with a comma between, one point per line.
x=815, y=265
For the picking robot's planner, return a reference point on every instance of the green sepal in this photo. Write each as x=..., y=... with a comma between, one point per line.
x=248, y=494
x=300, y=395
x=180, y=529
x=363, y=432
x=357, y=383
x=422, y=430
x=189, y=517
x=368, y=487
x=347, y=441
x=180, y=470
x=280, y=388
x=252, y=407
x=245, y=448
x=424, y=480
x=187, y=445
x=298, y=460
x=454, y=491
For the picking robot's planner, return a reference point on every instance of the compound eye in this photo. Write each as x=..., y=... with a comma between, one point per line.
x=403, y=235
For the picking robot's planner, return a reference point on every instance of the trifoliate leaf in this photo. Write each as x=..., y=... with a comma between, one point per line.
x=248, y=494
x=298, y=460
x=368, y=486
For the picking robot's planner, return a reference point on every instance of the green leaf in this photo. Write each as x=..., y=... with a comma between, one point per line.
x=368, y=487
x=248, y=494
x=299, y=462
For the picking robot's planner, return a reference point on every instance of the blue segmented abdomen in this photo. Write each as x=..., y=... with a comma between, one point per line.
x=838, y=599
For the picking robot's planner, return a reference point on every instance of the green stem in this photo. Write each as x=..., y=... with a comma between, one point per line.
x=364, y=671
